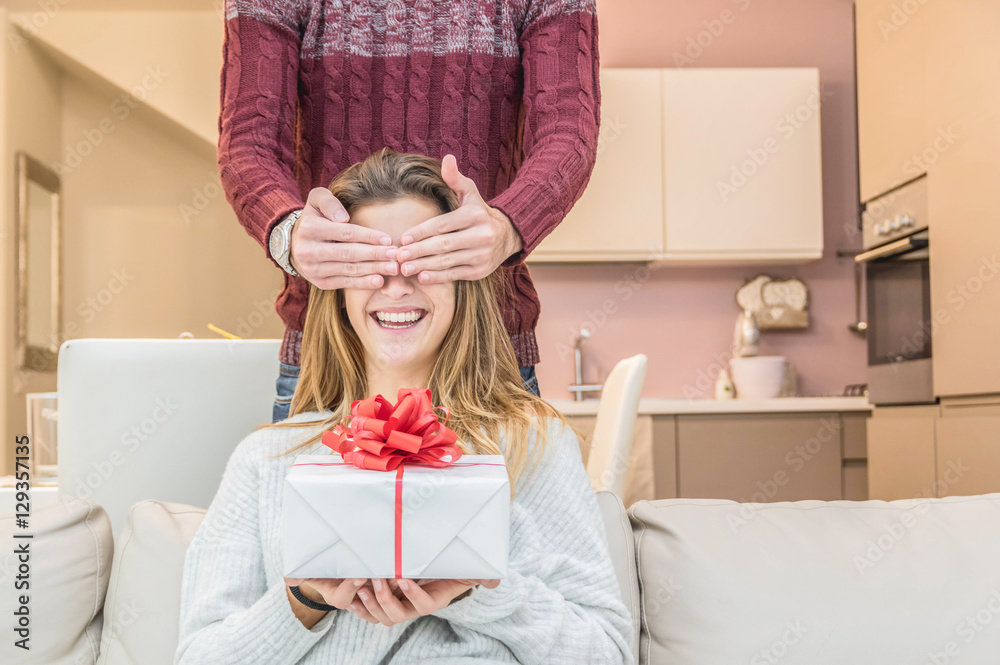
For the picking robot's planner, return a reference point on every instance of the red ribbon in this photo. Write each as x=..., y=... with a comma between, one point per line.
x=382, y=436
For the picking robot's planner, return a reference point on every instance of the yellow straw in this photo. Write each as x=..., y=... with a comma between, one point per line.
x=217, y=329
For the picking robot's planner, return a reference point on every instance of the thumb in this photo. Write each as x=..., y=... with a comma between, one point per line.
x=462, y=186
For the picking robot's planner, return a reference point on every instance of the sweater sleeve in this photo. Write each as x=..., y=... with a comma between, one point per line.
x=561, y=100
x=560, y=602
x=229, y=614
x=259, y=84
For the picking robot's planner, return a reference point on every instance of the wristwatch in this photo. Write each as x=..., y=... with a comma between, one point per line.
x=280, y=243
x=308, y=602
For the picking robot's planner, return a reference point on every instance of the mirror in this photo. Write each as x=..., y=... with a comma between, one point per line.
x=39, y=284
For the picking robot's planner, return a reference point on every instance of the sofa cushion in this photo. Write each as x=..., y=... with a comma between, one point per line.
x=914, y=581
x=142, y=611
x=622, y=549
x=69, y=561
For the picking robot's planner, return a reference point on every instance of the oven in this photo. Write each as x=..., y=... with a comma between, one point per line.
x=897, y=276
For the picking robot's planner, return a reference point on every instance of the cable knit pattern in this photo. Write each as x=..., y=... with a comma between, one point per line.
x=308, y=88
x=559, y=603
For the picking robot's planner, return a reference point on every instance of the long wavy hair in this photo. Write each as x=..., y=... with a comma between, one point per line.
x=475, y=375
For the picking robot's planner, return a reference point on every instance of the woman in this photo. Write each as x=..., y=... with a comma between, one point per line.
x=559, y=602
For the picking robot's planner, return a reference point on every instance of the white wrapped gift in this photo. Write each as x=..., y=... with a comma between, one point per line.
x=340, y=521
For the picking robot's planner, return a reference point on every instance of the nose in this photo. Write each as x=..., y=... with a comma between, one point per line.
x=397, y=286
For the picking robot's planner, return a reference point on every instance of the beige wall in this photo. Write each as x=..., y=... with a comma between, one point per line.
x=32, y=102
x=151, y=246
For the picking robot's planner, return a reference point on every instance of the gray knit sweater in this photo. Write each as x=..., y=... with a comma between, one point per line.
x=559, y=603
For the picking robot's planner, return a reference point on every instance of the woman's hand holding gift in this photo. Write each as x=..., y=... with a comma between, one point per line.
x=384, y=603
x=339, y=593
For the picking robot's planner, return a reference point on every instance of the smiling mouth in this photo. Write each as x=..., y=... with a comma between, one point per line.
x=398, y=320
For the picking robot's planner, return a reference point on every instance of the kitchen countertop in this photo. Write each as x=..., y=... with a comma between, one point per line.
x=666, y=407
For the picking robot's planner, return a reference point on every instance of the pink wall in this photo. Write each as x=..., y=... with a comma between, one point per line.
x=682, y=318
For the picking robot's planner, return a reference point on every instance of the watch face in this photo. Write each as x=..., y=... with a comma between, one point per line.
x=277, y=242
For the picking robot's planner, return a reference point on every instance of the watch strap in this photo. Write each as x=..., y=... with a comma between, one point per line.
x=311, y=604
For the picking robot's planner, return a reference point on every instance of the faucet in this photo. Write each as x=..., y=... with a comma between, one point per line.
x=580, y=387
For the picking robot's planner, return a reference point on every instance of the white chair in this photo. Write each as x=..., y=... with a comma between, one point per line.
x=611, y=443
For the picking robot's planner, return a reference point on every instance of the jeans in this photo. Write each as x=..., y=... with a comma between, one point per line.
x=288, y=376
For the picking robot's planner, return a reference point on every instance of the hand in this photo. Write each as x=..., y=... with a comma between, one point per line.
x=336, y=592
x=384, y=606
x=469, y=242
x=332, y=253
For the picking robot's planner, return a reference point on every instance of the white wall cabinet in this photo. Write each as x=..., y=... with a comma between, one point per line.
x=712, y=166
x=742, y=173
x=620, y=214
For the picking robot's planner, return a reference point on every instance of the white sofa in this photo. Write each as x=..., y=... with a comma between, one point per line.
x=709, y=582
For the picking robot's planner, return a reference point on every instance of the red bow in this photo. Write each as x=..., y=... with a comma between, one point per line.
x=381, y=436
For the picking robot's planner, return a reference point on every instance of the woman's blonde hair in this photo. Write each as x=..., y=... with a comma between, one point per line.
x=476, y=374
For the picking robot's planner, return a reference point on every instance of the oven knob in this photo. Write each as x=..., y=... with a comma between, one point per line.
x=882, y=229
x=897, y=223
x=908, y=221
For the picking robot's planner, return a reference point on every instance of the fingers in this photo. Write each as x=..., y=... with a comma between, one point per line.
x=326, y=204
x=322, y=251
x=339, y=593
x=317, y=227
x=359, y=608
x=341, y=282
x=464, y=187
x=373, y=604
x=456, y=220
x=466, y=272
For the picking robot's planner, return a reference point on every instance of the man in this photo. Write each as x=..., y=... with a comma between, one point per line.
x=509, y=87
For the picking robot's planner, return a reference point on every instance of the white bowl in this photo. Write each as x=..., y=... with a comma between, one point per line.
x=758, y=377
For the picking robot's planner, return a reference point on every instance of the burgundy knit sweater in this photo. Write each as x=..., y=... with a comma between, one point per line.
x=510, y=87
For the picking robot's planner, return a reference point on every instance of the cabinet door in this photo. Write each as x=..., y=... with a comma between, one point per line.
x=620, y=214
x=968, y=455
x=901, y=457
x=760, y=458
x=963, y=106
x=742, y=168
x=890, y=79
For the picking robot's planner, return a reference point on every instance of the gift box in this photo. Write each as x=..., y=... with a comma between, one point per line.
x=398, y=500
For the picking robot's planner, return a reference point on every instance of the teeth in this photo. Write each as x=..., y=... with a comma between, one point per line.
x=398, y=317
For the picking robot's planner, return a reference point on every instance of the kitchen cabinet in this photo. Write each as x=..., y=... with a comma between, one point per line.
x=619, y=216
x=742, y=167
x=718, y=166
x=963, y=117
x=760, y=457
x=951, y=449
x=968, y=446
x=901, y=453
x=890, y=44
